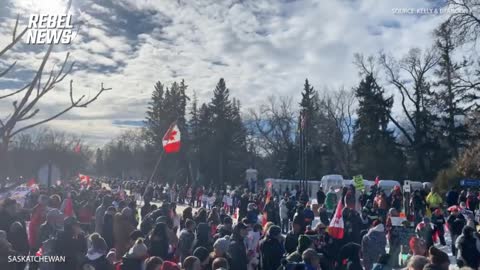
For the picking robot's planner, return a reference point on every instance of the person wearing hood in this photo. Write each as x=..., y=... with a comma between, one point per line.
x=203, y=255
x=271, y=249
x=70, y=243
x=96, y=254
x=373, y=244
x=468, y=246
x=203, y=237
x=186, y=240
x=304, y=243
x=158, y=241
x=135, y=256
x=309, y=215
x=237, y=248
x=438, y=260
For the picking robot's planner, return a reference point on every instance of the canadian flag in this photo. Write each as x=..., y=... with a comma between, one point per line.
x=31, y=182
x=84, y=179
x=171, y=140
x=336, y=228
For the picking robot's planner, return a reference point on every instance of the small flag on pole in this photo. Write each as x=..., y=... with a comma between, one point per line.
x=171, y=139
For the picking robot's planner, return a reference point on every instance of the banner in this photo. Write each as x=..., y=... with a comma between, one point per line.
x=358, y=182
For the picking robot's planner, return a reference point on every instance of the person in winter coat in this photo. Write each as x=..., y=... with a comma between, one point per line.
x=271, y=249
x=186, y=240
x=452, y=197
x=220, y=248
x=321, y=196
x=380, y=204
x=331, y=200
x=70, y=243
x=100, y=213
x=425, y=230
x=237, y=248
x=456, y=222
x=50, y=227
x=8, y=214
x=373, y=244
x=309, y=215
x=349, y=257
x=39, y=213
x=383, y=263
x=271, y=211
x=304, y=243
x=438, y=220
x=107, y=226
x=122, y=227
x=135, y=256
x=299, y=218
x=17, y=236
x=397, y=198
x=468, y=246
x=434, y=200
x=283, y=215
x=418, y=206
x=291, y=240
x=438, y=260
x=202, y=237
x=96, y=254
x=158, y=242
x=311, y=259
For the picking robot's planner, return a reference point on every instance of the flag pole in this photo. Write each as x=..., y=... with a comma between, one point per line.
x=156, y=167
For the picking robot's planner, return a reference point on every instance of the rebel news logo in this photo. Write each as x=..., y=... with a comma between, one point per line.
x=49, y=29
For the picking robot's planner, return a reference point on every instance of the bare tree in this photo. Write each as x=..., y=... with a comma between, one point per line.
x=340, y=107
x=274, y=122
x=26, y=99
x=465, y=19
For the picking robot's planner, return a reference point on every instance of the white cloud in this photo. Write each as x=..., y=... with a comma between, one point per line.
x=261, y=48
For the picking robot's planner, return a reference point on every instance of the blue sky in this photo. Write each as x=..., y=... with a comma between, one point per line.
x=261, y=48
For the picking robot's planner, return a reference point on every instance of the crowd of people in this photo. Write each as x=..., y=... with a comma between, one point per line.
x=136, y=226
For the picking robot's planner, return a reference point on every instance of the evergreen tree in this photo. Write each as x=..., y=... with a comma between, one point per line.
x=374, y=147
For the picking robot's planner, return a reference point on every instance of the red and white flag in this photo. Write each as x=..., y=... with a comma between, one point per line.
x=171, y=139
x=31, y=182
x=336, y=227
x=84, y=179
x=377, y=180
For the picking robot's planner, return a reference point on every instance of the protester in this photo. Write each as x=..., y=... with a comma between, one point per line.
x=373, y=244
x=468, y=246
x=438, y=260
x=271, y=249
x=237, y=248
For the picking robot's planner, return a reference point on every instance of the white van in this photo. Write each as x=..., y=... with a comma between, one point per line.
x=388, y=185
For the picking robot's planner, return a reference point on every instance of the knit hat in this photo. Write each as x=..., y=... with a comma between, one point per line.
x=139, y=249
x=437, y=257
x=222, y=244
x=201, y=253
x=98, y=244
x=303, y=243
x=274, y=231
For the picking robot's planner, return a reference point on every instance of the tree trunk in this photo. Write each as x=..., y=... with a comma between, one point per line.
x=4, y=160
